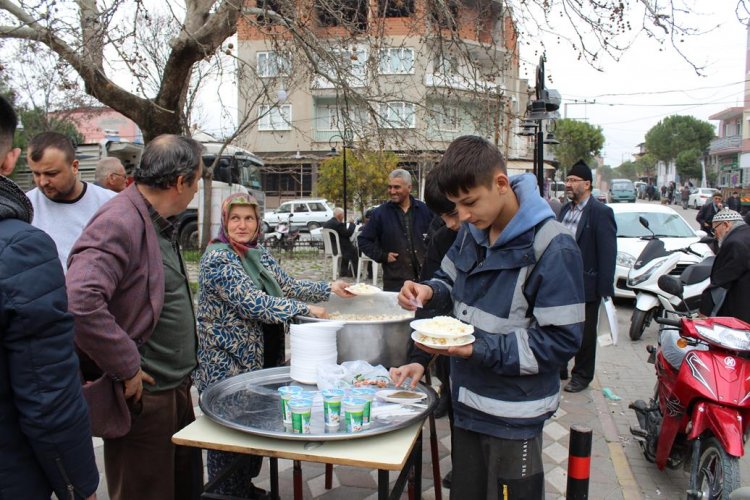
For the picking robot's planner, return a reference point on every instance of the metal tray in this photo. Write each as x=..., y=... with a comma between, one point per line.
x=250, y=403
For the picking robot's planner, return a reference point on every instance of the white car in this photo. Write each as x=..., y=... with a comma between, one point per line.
x=304, y=214
x=699, y=196
x=671, y=228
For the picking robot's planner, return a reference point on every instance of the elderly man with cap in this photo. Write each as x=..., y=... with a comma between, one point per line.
x=730, y=275
x=593, y=225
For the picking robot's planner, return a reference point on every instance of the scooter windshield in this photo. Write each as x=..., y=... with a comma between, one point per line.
x=653, y=250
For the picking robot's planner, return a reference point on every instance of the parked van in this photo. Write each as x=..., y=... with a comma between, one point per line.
x=556, y=189
x=622, y=190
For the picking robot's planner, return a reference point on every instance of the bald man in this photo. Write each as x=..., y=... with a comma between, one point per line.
x=348, y=252
x=110, y=174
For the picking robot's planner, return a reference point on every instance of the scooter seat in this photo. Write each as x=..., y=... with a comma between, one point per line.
x=697, y=272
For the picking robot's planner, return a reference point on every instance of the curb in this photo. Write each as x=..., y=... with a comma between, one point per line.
x=625, y=477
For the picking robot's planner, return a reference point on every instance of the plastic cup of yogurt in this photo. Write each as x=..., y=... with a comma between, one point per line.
x=301, y=410
x=368, y=395
x=354, y=409
x=332, y=407
x=287, y=392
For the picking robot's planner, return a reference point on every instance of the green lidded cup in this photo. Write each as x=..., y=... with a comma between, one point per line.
x=301, y=410
x=368, y=395
x=354, y=409
x=287, y=392
x=332, y=407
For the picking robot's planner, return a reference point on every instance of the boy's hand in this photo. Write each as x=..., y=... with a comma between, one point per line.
x=412, y=370
x=463, y=351
x=413, y=294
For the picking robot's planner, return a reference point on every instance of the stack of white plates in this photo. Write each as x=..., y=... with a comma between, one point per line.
x=312, y=344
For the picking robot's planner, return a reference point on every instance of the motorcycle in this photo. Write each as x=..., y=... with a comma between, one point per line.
x=694, y=269
x=282, y=237
x=700, y=411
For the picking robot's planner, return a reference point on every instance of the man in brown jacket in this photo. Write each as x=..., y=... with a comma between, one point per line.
x=135, y=327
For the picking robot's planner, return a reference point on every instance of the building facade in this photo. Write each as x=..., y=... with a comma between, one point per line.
x=729, y=153
x=374, y=75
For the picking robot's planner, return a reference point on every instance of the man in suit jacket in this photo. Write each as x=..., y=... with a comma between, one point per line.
x=134, y=323
x=707, y=212
x=595, y=230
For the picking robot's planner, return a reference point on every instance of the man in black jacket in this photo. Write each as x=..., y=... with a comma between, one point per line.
x=395, y=234
x=707, y=212
x=593, y=226
x=730, y=275
x=345, y=231
x=45, y=431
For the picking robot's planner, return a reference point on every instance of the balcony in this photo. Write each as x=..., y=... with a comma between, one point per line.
x=459, y=82
x=729, y=144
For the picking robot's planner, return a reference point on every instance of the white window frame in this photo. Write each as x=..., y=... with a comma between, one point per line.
x=271, y=64
x=394, y=62
x=398, y=114
x=272, y=118
x=448, y=119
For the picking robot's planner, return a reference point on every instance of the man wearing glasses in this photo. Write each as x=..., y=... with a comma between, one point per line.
x=110, y=174
x=593, y=225
x=730, y=275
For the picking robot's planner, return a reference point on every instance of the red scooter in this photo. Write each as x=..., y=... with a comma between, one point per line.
x=700, y=412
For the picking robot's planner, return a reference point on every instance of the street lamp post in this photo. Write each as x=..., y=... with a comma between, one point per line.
x=346, y=136
x=543, y=108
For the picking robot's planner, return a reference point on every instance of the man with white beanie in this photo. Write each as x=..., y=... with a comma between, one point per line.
x=730, y=275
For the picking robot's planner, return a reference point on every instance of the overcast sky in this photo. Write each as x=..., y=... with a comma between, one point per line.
x=646, y=85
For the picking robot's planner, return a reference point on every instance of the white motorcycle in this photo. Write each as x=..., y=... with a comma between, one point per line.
x=693, y=268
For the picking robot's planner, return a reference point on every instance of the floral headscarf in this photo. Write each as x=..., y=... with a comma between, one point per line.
x=234, y=200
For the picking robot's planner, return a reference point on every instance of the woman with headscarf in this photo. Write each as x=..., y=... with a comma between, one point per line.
x=244, y=297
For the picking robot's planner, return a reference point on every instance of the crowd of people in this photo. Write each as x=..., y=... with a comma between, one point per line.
x=101, y=337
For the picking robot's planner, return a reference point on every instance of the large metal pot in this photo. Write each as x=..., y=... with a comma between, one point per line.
x=379, y=342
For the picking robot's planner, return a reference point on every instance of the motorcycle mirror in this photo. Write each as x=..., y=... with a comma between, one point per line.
x=643, y=221
x=671, y=285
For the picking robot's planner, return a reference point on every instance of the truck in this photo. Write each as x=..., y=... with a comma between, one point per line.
x=237, y=170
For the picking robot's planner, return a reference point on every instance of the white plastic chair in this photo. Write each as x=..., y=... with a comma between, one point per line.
x=362, y=266
x=330, y=251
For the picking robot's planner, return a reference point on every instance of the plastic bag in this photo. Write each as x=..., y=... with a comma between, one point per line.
x=608, y=319
x=352, y=374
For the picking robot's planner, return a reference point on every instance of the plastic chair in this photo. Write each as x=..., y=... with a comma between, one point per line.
x=362, y=266
x=331, y=238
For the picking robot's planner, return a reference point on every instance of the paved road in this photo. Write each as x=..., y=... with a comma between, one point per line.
x=624, y=370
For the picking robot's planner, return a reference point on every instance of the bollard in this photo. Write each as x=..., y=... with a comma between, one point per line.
x=579, y=463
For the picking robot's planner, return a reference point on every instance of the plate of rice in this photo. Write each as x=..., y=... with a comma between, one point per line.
x=442, y=326
x=363, y=289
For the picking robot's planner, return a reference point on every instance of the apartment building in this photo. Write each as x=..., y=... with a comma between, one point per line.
x=726, y=152
x=406, y=76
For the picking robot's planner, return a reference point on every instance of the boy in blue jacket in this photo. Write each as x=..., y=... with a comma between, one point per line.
x=515, y=274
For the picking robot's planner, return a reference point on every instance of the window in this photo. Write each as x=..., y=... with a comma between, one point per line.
x=272, y=64
x=272, y=5
x=397, y=115
x=351, y=14
x=395, y=8
x=317, y=207
x=344, y=63
x=446, y=66
x=284, y=208
x=275, y=118
x=396, y=61
x=300, y=208
x=445, y=18
x=447, y=118
x=330, y=118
